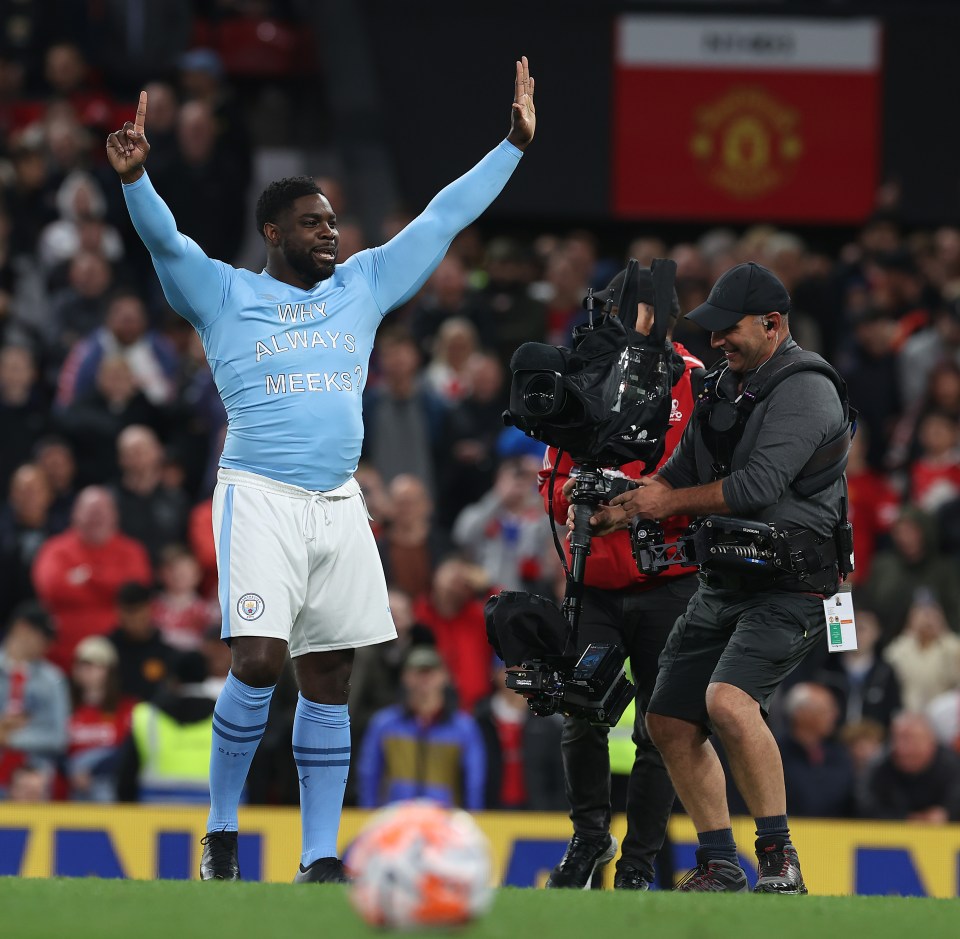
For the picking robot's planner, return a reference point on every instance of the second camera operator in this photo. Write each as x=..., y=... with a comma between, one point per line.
x=766, y=451
x=622, y=606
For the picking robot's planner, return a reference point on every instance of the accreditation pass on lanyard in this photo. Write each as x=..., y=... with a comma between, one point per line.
x=841, y=627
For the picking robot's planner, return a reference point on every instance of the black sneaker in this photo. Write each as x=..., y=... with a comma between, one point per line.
x=219, y=861
x=581, y=861
x=778, y=868
x=629, y=878
x=713, y=876
x=325, y=870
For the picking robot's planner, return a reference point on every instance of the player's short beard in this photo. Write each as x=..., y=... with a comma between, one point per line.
x=305, y=267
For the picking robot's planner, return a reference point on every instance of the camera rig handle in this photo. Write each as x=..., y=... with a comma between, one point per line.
x=592, y=489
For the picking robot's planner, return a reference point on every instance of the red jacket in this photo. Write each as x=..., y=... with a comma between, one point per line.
x=462, y=644
x=78, y=583
x=611, y=565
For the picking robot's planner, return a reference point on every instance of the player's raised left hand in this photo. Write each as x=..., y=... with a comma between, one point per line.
x=523, y=114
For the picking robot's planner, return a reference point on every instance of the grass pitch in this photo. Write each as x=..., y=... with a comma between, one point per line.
x=116, y=909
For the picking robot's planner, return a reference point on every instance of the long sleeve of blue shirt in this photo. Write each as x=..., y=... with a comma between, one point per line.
x=290, y=363
x=196, y=286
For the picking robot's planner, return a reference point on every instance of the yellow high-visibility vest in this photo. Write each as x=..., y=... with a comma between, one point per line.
x=174, y=757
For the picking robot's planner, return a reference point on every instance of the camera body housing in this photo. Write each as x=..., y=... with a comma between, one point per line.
x=595, y=688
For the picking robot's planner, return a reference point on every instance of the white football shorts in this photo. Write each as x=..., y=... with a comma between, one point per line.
x=298, y=565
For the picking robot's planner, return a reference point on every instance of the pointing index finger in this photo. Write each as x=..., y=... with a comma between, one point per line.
x=141, y=113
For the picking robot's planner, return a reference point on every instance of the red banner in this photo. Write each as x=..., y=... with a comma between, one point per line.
x=744, y=118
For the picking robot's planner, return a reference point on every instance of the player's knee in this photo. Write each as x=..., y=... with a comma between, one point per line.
x=256, y=664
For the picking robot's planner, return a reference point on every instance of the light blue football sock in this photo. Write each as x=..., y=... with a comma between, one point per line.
x=321, y=749
x=239, y=719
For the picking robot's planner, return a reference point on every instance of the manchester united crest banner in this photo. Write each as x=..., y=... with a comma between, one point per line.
x=746, y=118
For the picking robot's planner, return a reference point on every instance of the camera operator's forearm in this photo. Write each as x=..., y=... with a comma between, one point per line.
x=696, y=500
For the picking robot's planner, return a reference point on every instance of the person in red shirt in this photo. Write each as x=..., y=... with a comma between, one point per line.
x=452, y=612
x=77, y=574
x=635, y=611
x=99, y=723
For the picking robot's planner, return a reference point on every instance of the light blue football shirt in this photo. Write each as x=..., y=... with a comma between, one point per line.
x=291, y=364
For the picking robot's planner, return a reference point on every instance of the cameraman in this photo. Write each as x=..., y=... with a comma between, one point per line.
x=623, y=606
x=741, y=636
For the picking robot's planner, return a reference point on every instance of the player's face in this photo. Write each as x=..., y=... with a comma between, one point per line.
x=309, y=238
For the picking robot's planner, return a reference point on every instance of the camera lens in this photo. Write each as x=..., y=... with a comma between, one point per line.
x=539, y=395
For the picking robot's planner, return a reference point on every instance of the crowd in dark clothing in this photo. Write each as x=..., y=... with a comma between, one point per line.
x=112, y=428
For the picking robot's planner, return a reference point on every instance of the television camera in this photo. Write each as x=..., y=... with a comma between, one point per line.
x=605, y=401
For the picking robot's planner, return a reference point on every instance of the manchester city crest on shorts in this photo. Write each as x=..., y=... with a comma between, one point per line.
x=250, y=606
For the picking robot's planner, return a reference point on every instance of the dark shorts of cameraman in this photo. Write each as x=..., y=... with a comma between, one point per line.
x=751, y=640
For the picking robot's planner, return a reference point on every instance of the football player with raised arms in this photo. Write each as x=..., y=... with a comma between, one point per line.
x=289, y=350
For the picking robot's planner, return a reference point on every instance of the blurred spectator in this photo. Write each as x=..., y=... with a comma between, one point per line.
x=506, y=532
x=411, y=544
x=444, y=297
x=202, y=546
x=403, y=418
x=137, y=40
x=447, y=373
x=34, y=703
x=77, y=574
x=80, y=307
x=924, y=350
x=897, y=289
x=217, y=654
x=943, y=712
x=912, y=563
x=873, y=504
x=864, y=685
x=524, y=767
x=99, y=723
x=81, y=225
x=23, y=409
x=424, y=747
x=375, y=679
x=471, y=429
x=817, y=769
x=202, y=81
x=31, y=782
x=204, y=185
x=124, y=335
x=95, y=420
x=144, y=659
x=374, y=495
x=926, y=658
x=564, y=291
x=24, y=526
x=167, y=756
x=917, y=781
x=870, y=370
x=27, y=198
x=181, y=614
x=452, y=612
x=935, y=473
x=864, y=740
x=54, y=456
x=504, y=304
x=155, y=514
x=69, y=79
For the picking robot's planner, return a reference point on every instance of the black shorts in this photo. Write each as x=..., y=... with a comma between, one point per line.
x=752, y=641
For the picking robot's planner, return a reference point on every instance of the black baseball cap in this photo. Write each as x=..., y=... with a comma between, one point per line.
x=644, y=290
x=748, y=289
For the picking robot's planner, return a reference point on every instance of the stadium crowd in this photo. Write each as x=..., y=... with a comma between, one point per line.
x=112, y=427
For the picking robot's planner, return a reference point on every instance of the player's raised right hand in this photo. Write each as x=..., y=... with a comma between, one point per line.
x=127, y=148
